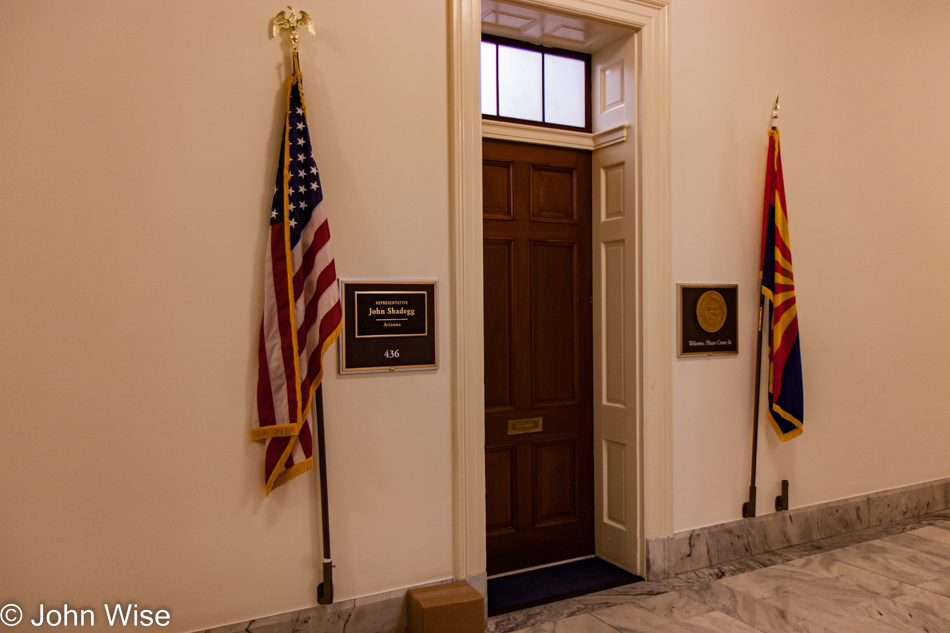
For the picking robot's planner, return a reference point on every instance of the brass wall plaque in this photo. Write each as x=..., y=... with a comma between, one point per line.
x=708, y=320
x=524, y=425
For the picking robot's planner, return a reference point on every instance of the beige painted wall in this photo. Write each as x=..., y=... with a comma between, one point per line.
x=864, y=134
x=138, y=147
x=137, y=152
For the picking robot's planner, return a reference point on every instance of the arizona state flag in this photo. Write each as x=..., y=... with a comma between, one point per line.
x=786, y=397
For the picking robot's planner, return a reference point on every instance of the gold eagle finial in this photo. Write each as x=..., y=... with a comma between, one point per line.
x=293, y=23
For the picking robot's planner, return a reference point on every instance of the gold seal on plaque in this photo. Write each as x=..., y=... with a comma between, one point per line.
x=711, y=311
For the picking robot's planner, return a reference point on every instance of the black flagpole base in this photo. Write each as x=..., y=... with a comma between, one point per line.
x=748, y=508
x=781, y=501
x=325, y=588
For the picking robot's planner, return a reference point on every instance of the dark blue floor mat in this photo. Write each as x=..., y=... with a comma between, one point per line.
x=549, y=584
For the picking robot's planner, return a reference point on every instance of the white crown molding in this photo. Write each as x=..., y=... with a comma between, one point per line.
x=521, y=133
x=610, y=137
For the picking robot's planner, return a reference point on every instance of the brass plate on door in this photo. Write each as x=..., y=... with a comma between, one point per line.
x=524, y=425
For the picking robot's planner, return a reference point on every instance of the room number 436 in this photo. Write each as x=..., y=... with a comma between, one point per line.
x=391, y=353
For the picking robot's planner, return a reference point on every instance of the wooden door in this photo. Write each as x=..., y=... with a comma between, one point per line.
x=538, y=363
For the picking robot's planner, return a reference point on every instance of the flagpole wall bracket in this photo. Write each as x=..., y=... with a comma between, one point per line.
x=325, y=588
x=781, y=501
x=748, y=508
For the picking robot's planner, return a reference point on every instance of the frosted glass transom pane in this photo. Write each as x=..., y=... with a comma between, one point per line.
x=519, y=84
x=564, y=93
x=489, y=102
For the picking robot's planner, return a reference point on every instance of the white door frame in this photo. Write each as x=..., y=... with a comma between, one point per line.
x=655, y=300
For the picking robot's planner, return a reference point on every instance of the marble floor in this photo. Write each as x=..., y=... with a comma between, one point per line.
x=886, y=579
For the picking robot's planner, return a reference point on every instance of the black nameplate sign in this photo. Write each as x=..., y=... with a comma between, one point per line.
x=708, y=320
x=388, y=326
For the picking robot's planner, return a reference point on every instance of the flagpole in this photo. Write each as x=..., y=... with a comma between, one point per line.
x=293, y=23
x=325, y=588
x=748, y=508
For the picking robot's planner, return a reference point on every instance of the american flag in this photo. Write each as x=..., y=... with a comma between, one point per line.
x=301, y=303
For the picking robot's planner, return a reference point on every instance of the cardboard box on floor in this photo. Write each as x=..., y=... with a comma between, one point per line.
x=453, y=608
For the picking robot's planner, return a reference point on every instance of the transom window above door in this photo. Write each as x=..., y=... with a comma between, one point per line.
x=532, y=84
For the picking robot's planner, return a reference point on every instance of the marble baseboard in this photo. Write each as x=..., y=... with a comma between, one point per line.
x=911, y=501
x=380, y=613
x=702, y=547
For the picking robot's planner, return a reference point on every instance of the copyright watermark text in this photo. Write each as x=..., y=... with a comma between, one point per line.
x=115, y=615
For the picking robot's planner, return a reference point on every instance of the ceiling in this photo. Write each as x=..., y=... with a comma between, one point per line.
x=547, y=28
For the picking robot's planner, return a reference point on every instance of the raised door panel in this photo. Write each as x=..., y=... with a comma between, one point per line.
x=498, y=259
x=497, y=183
x=554, y=323
x=553, y=193
x=614, y=87
x=555, y=483
x=501, y=490
x=615, y=488
x=612, y=177
x=614, y=333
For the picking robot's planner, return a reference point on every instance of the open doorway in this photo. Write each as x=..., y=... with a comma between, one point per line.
x=543, y=509
x=633, y=171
